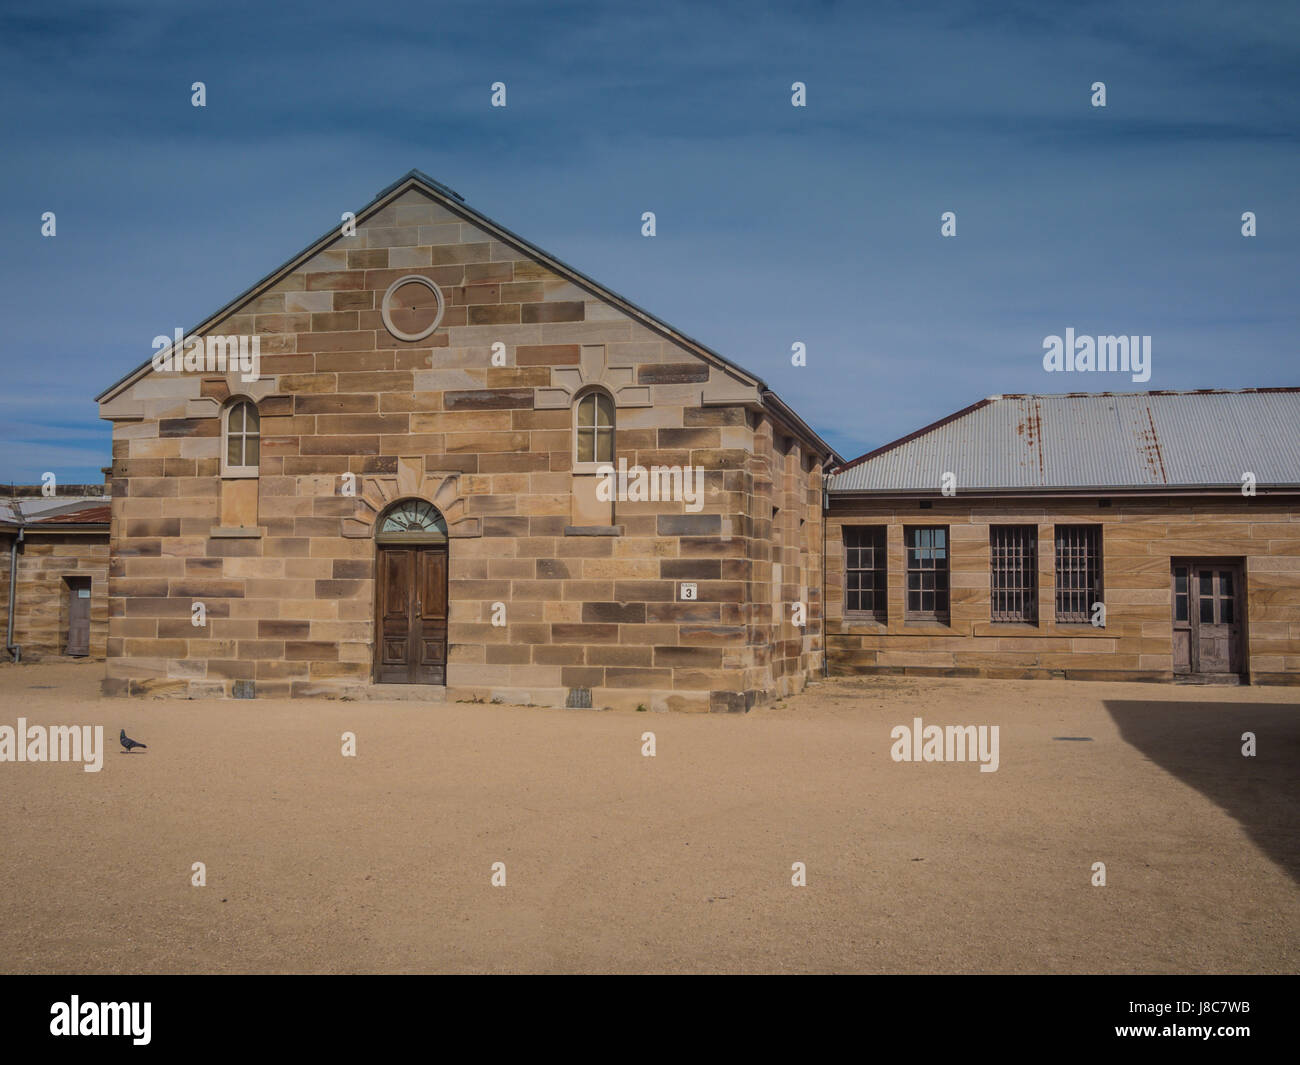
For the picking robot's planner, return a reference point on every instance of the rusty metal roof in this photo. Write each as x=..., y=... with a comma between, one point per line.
x=40, y=512
x=1105, y=440
x=98, y=514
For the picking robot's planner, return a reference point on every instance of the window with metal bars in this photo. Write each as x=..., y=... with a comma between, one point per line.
x=927, y=572
x=1013, y=573
x=864, y=571
x=1078, y=572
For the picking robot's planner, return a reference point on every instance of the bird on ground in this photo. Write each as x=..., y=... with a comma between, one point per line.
x=129, y=743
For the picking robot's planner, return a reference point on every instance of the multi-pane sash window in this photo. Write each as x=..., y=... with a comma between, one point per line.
x=1078, y=572
x=243, y=440
x=595, y=428
x=1013, y=573
x=864, y=570
x=927, y=572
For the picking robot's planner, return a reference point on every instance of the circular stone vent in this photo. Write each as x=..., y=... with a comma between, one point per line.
x=412, y=307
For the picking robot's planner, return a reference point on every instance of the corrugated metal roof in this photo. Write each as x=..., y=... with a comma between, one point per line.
x=1100, y=440
x=99, y=514
x=55, y=510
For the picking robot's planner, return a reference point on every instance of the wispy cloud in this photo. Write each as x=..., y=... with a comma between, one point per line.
x=776, y=224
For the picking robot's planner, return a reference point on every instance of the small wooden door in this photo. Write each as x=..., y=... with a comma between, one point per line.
x=78, y=642
x=411, y=615
x=1208, y=618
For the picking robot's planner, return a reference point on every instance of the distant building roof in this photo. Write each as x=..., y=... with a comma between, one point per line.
x=47, y=513
x=93, y=515
x=1106, y=440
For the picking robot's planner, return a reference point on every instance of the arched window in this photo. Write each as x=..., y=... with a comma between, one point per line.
x=594, y=428
x=411, y=520
x=241, y=439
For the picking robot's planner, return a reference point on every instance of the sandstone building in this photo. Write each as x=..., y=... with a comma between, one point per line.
x=54, y=571
x=1147, y=536
x=411, y=489
x=460, y=468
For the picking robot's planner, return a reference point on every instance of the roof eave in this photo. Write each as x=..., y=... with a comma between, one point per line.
x=266, y=282
x=786, y=413
x=70, y=526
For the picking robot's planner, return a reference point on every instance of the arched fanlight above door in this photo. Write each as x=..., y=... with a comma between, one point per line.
x=411, y=521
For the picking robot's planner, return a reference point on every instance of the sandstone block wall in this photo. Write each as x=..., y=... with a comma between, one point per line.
x=41, y=614
x=1140, y=538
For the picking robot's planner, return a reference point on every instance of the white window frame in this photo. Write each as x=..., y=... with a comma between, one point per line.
x=227, y=470
x=593, y=467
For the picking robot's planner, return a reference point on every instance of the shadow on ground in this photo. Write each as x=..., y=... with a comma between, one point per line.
x=1201, y=745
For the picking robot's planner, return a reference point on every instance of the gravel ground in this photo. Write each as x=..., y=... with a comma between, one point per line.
x=681, y=862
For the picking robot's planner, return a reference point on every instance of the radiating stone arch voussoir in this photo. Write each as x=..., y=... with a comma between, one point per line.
x=376, y=491
x=593, y=368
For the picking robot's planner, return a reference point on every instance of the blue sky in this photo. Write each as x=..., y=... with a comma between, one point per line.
x=775, y=224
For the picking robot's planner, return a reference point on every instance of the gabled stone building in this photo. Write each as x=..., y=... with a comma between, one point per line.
x=411, y=484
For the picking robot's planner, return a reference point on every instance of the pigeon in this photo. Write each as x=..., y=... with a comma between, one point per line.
x=129, y=743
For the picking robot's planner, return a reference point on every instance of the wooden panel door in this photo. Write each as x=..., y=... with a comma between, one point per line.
x=393, y=623
x=1216, y=619
x=429, y=618
x=411, y=615
x=78, y=616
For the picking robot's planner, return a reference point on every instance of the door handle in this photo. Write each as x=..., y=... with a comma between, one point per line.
x=417, y=607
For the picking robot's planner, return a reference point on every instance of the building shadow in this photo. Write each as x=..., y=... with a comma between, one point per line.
x=1201, y=745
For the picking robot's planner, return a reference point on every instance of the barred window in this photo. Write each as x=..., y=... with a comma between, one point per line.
x=927, y=572
x=1078, y=572
x=1013, y=573
x=864, y=570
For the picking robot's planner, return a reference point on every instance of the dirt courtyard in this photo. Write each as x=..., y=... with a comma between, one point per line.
x=681, y=862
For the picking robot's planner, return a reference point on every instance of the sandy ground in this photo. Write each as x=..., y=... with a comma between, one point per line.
x=617, y=862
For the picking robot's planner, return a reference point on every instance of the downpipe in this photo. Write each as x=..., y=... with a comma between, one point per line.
x=826, y=508
x=10, y=646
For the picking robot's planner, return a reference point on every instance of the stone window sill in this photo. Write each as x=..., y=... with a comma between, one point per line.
x=236, y=533
x=922, y=626
x=869, y=620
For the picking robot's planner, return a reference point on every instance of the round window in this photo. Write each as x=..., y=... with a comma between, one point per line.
x=412, y=307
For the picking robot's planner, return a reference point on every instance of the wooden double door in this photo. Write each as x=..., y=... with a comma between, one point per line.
x=1209, y=617
x=411, y=614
